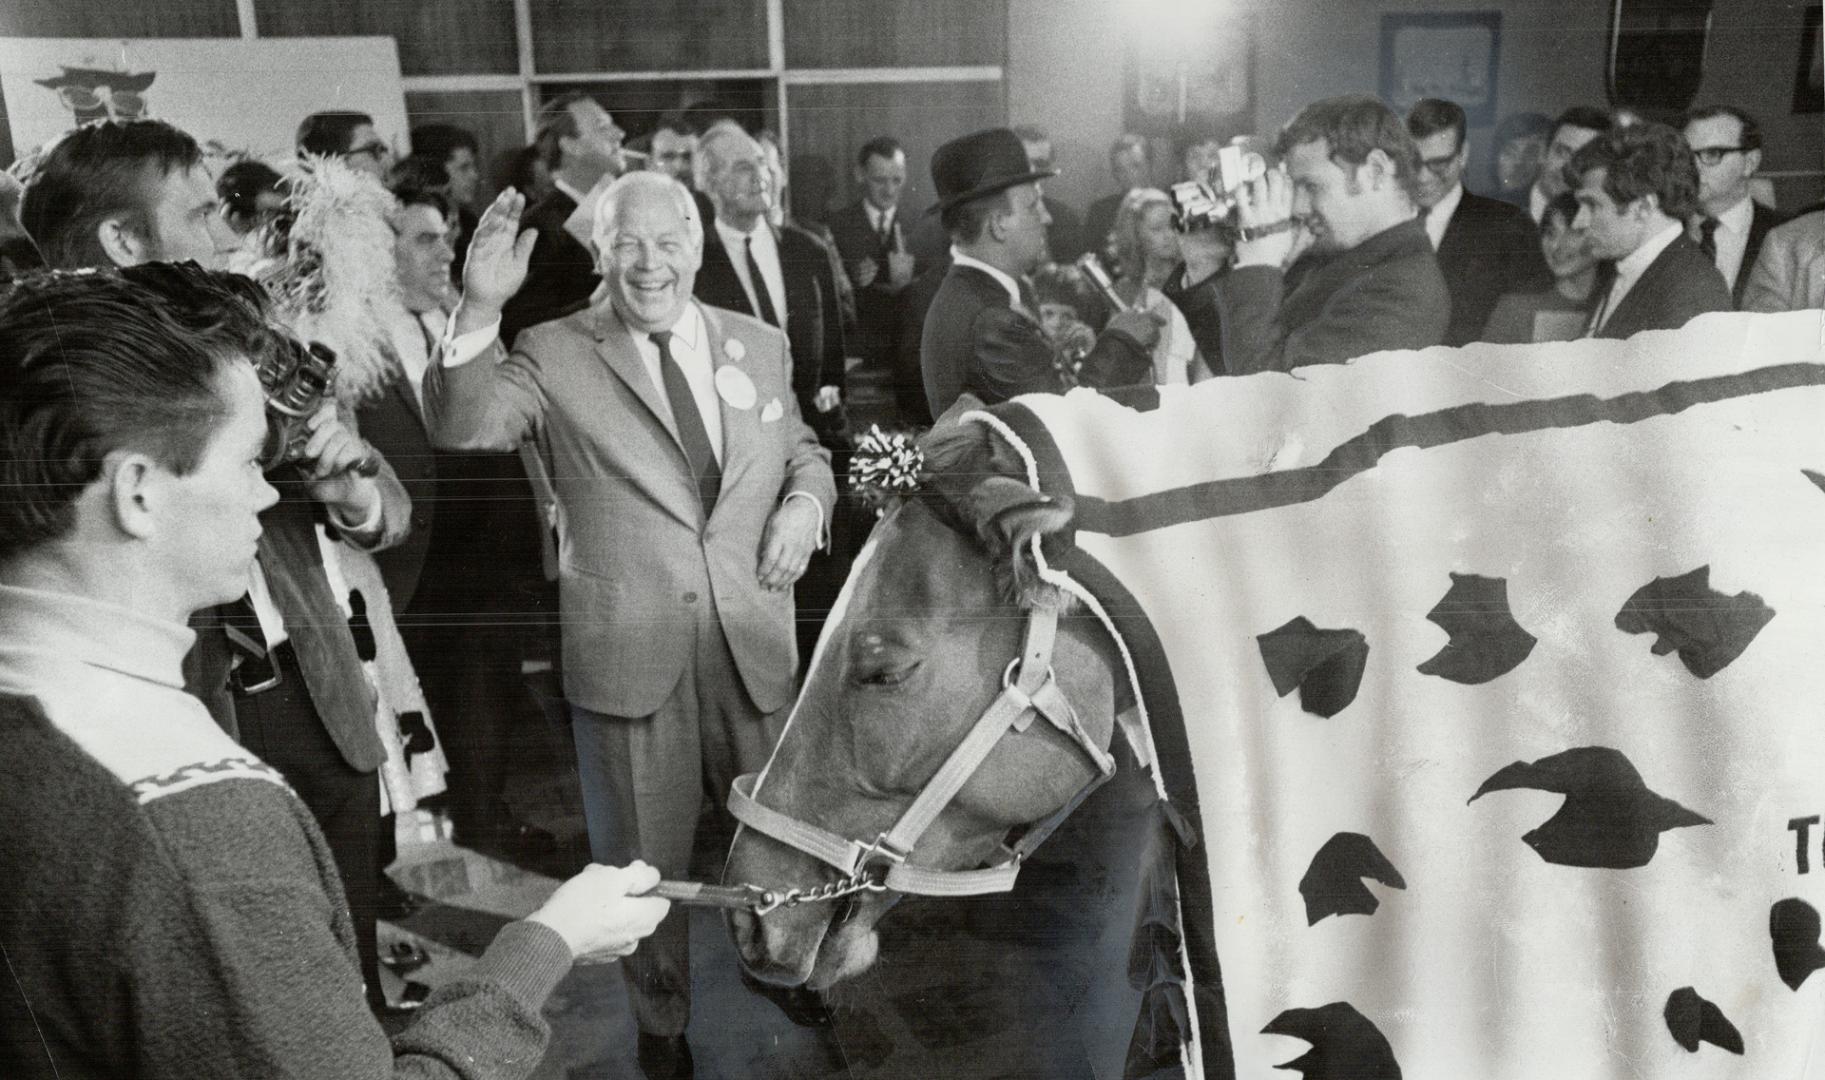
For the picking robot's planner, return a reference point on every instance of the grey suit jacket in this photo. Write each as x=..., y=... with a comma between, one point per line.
x=638, y=566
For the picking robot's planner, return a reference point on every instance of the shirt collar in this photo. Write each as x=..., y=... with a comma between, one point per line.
x=93, y=632
x=1630, y=266
x=1438, y=219
x=958, y=258
x=688, y=331
x=567, y=188
x=733, y=237
x=876, y=216
x=1739, y=217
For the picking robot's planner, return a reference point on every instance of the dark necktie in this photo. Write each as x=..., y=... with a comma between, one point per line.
x=760, y=287
x=253, y=668
x=1707, y=238
x=691, y=431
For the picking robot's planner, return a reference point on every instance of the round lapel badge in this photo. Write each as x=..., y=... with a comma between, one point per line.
x=735, y=388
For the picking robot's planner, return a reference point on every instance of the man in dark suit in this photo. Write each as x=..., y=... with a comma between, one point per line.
x=781, y=276
x=871, y=242
x=1637, y=187
x=581, y=143
x=982, y=336
x=1726, y=146
x=459, y=581
x=1346, y=197
x=1485, y=248
x=1065, y=236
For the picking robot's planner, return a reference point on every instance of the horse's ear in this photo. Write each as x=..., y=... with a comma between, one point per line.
x=1008, y=515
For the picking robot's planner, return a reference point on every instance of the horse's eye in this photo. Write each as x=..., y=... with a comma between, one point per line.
x=885, y=676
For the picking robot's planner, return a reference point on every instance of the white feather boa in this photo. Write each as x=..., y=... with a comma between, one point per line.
x=329, y=267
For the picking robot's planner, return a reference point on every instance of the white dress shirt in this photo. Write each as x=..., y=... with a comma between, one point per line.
x=879, y=219
x=1438, y=219
x=766, y=255
x=1630, y=268
x=1732, y=239
x=691, y=349
x=958, y=258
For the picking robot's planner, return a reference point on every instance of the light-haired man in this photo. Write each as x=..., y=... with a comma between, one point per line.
x=690, y=498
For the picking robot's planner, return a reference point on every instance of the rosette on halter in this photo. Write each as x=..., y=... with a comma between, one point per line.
x=886, y=465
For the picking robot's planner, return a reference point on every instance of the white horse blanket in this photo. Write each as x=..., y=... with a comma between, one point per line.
x=1493, y=680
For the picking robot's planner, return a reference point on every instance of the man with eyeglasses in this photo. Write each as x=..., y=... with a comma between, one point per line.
x=349, y=136
x=1726, y=145
x=1485, y=248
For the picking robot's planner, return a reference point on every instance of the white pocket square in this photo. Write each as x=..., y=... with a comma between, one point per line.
x=772, y=411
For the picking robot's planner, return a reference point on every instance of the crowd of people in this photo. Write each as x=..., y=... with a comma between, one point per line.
x=223, y=616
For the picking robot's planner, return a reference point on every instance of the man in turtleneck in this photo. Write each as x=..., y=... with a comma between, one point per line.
x=168, y=905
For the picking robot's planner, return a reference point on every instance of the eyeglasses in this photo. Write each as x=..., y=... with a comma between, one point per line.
x=1711, y=155
x=375, y=149
x=118, y=103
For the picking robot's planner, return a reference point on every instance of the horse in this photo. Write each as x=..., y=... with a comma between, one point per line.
x=1473, y=688
x=937, y=606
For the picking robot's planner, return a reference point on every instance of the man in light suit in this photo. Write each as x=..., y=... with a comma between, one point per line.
x=690, y=498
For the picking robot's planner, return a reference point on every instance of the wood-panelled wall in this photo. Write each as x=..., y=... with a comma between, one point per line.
x=840, y=63
x=829, y=124
x=895, y=33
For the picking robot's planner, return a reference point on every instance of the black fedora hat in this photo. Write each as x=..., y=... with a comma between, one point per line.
x=980, y=164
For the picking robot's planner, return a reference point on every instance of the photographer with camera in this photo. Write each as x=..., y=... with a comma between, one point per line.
x=1345, y=192
x=278, y=668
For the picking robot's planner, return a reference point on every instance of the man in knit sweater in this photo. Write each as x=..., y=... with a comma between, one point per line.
x=167, y=904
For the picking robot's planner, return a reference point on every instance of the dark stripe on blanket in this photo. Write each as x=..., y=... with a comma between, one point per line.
x=1246, y=494
x=1166, y=722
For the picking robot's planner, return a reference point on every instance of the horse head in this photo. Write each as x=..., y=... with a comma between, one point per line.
x=934, y=612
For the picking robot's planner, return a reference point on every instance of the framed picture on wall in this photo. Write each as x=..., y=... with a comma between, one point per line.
x=1809, y=84
x=1195, y=77
x=1445, y=55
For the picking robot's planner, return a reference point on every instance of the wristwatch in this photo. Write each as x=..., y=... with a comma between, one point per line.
x=1246, y=233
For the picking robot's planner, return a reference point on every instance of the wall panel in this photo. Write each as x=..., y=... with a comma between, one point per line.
x=570, y=36
x=119, y=18
x=895, y=33
x=829, y=123
x=449, y=37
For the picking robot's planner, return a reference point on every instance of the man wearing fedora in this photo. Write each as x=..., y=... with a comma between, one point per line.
x=982, y=335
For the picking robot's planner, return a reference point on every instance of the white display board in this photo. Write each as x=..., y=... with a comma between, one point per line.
x=234, y=95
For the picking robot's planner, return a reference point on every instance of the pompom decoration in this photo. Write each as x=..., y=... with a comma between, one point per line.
x=885, y=466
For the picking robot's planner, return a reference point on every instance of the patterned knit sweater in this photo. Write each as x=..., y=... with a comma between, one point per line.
x=167, y=906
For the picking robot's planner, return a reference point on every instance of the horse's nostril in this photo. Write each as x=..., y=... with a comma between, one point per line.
x=750, y=943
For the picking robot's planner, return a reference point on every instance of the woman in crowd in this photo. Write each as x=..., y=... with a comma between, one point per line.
x=1147, y=251
x=1559, y=313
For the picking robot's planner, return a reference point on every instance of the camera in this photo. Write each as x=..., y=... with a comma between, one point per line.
x=1092, y=268
x=298, y=380
x=1211, y=202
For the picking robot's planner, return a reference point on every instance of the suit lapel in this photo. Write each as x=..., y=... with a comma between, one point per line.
x=615, y=345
